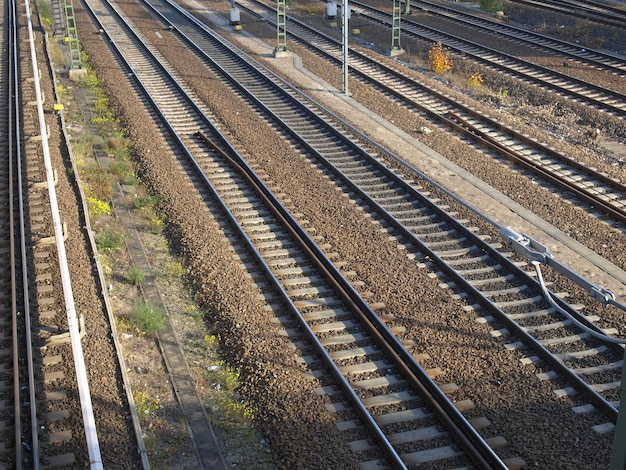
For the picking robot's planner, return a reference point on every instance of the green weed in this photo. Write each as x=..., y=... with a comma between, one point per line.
x=147, y=318
x=135, y=275
x=174, y=269
x=98, y=181
x=145, y=404
x=491, y=6
x=147, y=202
x=84, y=146
x=109, y=240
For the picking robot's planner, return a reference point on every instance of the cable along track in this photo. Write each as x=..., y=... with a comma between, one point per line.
x=331, y=312
x=576, y=181
x=470, y=265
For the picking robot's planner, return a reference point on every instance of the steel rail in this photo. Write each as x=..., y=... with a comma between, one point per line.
x=474, y=239
x=550, y=358
x=591, y=198
x=611, y=62
x=608, y=408
x=455, y=122
x=453, y=273
x=14, y=159
x=418, y=377
x=578, y=11
x=91, y=435
x=325, y=266
x=350, y=296
x=478, y=53
x=32, y=399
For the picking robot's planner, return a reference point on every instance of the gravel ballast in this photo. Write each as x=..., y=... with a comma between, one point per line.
x=301, y=433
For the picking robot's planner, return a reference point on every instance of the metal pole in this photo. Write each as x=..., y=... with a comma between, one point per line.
x=396, y=48
x=281, y=29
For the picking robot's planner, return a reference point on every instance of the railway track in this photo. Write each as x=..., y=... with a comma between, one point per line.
x=602, y=61
x=508, y=295
x=37, y=299
x=339, y=323
x=586, y=185
x=592, y=11
x=571, y=87
x=10, y=348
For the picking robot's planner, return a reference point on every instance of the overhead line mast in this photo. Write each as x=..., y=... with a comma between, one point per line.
x=396, y=48
x=64, y=24
x=281, y=29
